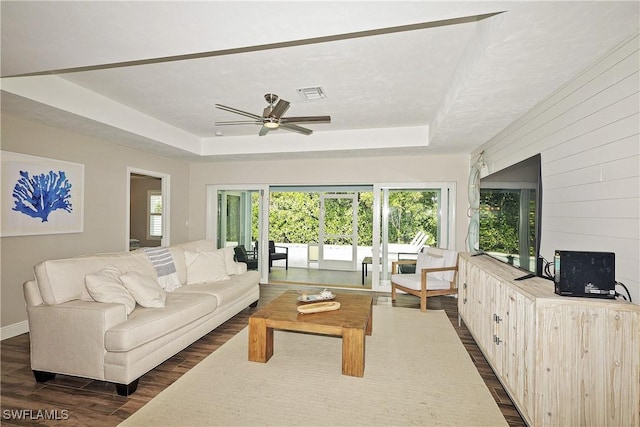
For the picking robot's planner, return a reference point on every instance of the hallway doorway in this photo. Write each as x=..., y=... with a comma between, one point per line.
x=148, y=213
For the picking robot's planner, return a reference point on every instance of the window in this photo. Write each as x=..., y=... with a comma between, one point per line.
x=154, y=215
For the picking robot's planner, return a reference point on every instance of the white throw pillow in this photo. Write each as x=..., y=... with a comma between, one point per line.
x=426, y=260
x=205, y=267
x=145, y=289
x=228, y=254
x=105, y=286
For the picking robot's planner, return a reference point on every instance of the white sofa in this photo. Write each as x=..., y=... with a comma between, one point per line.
x=73, y=334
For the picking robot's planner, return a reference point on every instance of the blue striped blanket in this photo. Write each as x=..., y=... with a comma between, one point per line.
x=162, y=262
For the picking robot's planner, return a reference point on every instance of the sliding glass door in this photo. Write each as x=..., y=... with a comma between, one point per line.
x=338, y=249
x=413, y=216
x=332, y=235
x=235, y=220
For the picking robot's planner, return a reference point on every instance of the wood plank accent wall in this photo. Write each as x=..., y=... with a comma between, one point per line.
x=563, y=360
x=588, y=133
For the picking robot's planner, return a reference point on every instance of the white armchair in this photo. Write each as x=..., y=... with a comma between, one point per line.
x=436, y=274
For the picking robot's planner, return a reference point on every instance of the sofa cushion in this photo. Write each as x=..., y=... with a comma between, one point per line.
x=198, y=246
x=181, y=266
x=145, y=289
x=147, y=324
x=62, y=280
x=204, y=267
x=225, y=291
x=178, y=250
x=105, y=286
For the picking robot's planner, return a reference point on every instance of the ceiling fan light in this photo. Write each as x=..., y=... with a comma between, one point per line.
x=272, y=125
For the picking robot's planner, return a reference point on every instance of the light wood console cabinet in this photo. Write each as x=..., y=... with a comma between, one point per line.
x=564, y=361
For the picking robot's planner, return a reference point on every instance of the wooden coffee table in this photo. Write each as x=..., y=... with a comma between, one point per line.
x=352, y=321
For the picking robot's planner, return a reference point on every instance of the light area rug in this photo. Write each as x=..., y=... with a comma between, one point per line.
x=417, y=372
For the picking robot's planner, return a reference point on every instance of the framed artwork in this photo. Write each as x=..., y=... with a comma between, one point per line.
x=40, y=195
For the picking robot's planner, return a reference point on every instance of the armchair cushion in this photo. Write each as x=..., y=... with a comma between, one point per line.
x=105, y=286
x=450, y=259
x=145, y=289
x=414, y=281
x=426, y=260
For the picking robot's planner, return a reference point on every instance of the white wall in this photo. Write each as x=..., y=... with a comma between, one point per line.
x=105, y=204
x=588, y=133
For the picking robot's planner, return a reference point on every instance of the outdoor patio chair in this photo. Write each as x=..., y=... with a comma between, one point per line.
x=436, y=274
x=242, y=256
x=275, y=256
x=419, y=239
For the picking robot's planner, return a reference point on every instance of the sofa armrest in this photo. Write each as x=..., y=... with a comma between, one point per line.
x=69, y=338
x=32, y=293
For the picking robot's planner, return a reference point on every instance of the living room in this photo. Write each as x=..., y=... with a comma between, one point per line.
x=585, y=128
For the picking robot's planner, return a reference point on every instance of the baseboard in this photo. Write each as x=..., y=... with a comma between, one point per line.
x=14, y=330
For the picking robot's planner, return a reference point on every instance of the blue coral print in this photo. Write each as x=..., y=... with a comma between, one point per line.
x=39, y=195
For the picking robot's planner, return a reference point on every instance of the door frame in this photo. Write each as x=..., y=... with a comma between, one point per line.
x=211, y=219
x=165, y=186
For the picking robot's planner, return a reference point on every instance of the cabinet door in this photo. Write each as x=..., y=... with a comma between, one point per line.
x=515, y=329
x=486, y=293
x=588, y=354
x=500, y=318
x=463, y=293
x=503, y=324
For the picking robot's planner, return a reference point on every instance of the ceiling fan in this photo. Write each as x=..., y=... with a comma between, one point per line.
x=272, y=119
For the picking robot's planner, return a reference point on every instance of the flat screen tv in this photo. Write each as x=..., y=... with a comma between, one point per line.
x=509, y=215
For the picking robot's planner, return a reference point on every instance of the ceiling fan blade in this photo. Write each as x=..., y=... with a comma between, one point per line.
x=281, y=107
x=239, y=122
x=306, y=119
x=296, y=128
x=263, y=131
x=236, y=111
x=272, y=117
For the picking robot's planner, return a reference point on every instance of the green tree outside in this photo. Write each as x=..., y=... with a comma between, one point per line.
x=294, y=217
x=500, y=214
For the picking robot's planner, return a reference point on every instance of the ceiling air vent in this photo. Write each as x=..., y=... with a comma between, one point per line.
x=311, y=93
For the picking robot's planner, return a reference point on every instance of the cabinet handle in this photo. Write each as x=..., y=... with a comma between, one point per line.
x=464, y=286
x=464, y=300
x=498, y=340
x=498, y=319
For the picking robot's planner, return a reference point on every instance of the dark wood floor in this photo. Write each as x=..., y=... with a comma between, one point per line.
x=80, y=402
